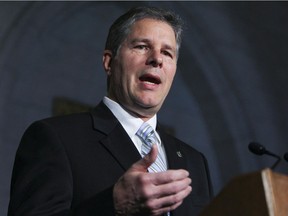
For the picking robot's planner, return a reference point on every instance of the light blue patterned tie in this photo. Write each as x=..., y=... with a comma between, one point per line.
x=147, y=134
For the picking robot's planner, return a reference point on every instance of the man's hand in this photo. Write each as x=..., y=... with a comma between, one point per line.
x=138, y=192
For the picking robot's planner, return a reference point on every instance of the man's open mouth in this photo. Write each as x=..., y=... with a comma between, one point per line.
x=150, y=78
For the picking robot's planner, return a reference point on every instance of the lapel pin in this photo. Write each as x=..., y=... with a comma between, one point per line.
x=179, y=154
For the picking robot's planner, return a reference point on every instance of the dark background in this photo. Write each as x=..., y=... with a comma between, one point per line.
x=230, y=88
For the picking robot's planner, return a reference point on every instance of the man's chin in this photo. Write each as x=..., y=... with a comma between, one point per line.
x=148, y=111
x=143, y=111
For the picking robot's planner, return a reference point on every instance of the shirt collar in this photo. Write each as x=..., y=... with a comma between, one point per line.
x=130, y=123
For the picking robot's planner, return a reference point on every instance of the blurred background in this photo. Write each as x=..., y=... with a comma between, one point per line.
x=230, y=88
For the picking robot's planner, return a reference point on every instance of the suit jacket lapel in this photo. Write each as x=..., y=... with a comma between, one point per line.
x=114, y=136
x=175, y=157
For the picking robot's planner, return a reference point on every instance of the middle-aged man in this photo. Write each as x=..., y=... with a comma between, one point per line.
x=100, y=162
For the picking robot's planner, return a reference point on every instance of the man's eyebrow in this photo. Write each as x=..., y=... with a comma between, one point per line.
x=167, y=46
x=137, y=40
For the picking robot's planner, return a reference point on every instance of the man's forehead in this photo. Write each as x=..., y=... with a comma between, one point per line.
x=146, y=20
x=142, y=30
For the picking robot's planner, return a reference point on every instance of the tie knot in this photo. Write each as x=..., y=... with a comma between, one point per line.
x=147, y=134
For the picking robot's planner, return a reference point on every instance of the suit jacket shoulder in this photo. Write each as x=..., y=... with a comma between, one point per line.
x=61, y=166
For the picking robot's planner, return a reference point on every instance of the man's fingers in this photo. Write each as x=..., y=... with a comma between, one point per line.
x=172, y=187
x=168, y=203
x=169, y=176
x=174, y=199
x=143, y=164
x=172, y=192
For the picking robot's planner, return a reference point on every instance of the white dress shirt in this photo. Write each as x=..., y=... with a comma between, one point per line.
x=131, y=124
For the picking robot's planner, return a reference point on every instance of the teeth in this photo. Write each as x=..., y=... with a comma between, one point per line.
x=149, y=82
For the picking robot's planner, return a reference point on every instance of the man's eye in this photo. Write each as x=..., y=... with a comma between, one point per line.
x=141, y=47
x=167, y=54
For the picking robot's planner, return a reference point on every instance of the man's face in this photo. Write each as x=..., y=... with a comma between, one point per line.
x=142, y=71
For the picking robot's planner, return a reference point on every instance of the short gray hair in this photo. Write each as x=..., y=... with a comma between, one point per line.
x=122, y=26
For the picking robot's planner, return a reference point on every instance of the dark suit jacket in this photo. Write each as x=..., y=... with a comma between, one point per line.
x=68, y=166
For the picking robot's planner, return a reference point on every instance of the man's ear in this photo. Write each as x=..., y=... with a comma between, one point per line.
x=107, y=60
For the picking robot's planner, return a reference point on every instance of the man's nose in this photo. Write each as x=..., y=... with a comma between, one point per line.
x=155, y=58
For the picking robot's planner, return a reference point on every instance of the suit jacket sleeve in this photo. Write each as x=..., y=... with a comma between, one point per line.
x=42, y=182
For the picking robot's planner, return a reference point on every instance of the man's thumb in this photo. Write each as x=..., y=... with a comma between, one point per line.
x=147, y=160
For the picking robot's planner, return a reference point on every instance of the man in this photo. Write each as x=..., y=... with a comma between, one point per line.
x=93, y=163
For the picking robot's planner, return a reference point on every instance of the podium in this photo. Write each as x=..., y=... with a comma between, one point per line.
x=263, y=193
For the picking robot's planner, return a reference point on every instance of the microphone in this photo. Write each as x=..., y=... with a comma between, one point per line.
x=259, y=149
